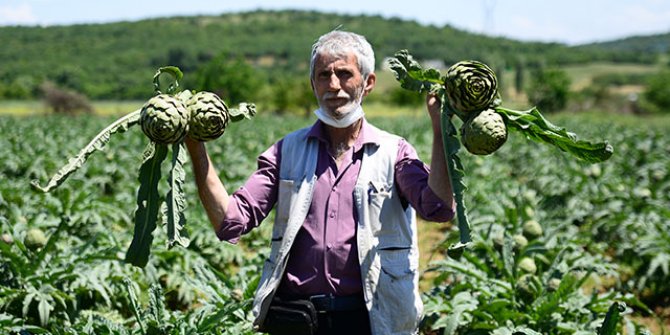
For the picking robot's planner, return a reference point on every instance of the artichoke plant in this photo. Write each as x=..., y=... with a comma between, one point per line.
x=470, y=90
x=164, y=119
x=484, y=133
x=471, y=87
x=208, y=116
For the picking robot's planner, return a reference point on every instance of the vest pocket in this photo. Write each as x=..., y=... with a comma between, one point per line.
x=396, y=288
x=397, y=297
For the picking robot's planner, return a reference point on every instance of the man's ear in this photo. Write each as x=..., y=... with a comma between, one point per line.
x=370, y=83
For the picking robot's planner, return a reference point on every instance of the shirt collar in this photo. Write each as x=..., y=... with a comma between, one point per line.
x=368, y=134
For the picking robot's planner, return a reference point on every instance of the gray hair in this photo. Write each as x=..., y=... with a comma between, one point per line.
x=340, y=43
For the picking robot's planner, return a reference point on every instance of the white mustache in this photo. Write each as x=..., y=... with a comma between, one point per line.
x=333, y=95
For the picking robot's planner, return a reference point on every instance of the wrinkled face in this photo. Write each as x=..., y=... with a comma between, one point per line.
x=338, y=84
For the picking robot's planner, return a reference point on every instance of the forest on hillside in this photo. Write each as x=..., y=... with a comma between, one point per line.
x=117, y=60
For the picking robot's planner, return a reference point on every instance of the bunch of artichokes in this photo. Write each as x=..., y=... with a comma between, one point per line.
x=472, y=90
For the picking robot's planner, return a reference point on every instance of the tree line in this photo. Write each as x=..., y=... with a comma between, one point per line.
x=257, y=51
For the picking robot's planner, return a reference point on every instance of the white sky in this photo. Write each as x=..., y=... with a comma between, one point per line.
x=564, y=21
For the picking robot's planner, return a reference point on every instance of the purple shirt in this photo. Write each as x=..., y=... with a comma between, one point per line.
x=324, y=255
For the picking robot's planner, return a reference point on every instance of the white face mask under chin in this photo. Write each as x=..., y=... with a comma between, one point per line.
x=344, y=122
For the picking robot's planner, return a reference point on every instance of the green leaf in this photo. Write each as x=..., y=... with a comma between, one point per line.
x=175, y=200
x=534, y=126
x=169, y=85
x=148, y=204
x=27, y=300
x=44, y=308
x=612, y=319
x=156, y=305
x=132, y=296
x=98, y=142
x=244, y=111
x=412, y=76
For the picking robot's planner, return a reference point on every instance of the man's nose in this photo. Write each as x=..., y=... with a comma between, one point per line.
x=334, y=82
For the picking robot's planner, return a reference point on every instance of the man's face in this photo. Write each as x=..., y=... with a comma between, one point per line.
x=338, y=84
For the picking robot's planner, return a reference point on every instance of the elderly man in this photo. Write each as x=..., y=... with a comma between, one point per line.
x=344, y=255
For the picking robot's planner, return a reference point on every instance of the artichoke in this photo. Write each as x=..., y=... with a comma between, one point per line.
x=553, y=284
x=35, y=239
x=527, y=265
x=532, y=229
x=471, y=86
x=208, y=116
x=164, y=119
x=484, y=133
x=7, y=238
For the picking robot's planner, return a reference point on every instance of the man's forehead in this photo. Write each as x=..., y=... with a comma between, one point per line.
x=343, y=59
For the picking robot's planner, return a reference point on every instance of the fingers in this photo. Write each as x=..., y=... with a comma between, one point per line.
x=433, y=103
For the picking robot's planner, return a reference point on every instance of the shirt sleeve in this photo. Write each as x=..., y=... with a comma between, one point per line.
x=411, y=177
x=253, y=201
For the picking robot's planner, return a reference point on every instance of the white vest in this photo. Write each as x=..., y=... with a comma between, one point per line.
x=386, y=234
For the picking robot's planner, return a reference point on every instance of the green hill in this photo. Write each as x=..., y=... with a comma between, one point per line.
x=117, y=60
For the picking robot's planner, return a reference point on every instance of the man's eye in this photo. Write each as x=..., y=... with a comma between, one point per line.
x=344, y=73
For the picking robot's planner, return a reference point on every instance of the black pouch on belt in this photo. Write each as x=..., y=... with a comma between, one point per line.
x=291, y=317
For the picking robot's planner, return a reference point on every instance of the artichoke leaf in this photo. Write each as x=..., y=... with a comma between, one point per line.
x=534, y=126
x=612, y=319
x=412, y=76
x=97, y=143
x=148, y=204
x=175, y=200
x=244, y=111
x=166, y=80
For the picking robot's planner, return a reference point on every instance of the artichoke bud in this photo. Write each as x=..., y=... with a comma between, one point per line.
x=35, y=239
x=164, y=119
x=208, y=116
x=532, y=229
x=520, y=241
x=527, y=265
x=484, y=133
x=553, y=284
x=7, y=239
x=471, y=86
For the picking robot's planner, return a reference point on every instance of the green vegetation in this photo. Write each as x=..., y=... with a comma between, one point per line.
x=558, y=246
x=548, y=89
x=166, y=119
x=602, y=239
x=104, y=61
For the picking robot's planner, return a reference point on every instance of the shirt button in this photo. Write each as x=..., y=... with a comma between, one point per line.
x=332, y=215
x=329, y=246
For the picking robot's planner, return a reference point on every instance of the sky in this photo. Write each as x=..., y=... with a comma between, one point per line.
x=564, y=21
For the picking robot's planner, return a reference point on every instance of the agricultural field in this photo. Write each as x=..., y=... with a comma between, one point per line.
x=603, y=237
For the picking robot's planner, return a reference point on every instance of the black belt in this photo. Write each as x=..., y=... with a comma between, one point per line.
x=331, y=303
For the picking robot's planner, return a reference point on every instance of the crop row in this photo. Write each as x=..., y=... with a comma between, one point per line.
x=604, y=235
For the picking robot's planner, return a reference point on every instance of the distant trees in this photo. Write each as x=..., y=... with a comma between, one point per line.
x=64, y=101
x=232, y=78
x=549, y=89
x=117, y=60
x=656, y=96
